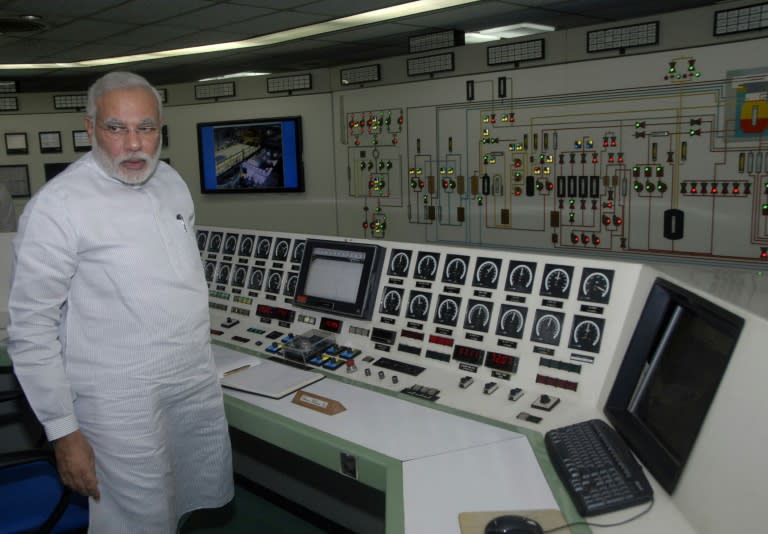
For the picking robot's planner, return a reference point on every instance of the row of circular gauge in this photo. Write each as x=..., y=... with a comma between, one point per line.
x=586, y=332
x=251, y=278
x=556, y=280
x=247, y=246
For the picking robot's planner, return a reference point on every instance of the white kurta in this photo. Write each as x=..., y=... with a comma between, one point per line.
x=109, y=333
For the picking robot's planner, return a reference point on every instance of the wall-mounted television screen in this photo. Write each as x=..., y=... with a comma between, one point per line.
x=251, y=156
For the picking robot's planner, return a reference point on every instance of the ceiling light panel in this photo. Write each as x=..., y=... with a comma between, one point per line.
x=70, y=101
x=623, y=37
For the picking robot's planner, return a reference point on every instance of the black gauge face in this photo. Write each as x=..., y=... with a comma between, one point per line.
x=456, y=268
x=274, y=280
x=487, y=273
x=290, y=285
x=222, y=273
x=210, y=270
x=256, y=278
x=214, y=245
x=447, y=311
x=399, y=263
x=230, y=244
x=520, y=277
x=587, y=333
x=391, y=301
x=418, y=306
x=202, y=239
x=281, y=249
x=426, y=266
x=262, y=247
x=246, y=246
x=557, y=281
x=511, y=321
x=478, y=315
x=547, y=327
x=298, y=251
x=596, y=285
x=239, y=275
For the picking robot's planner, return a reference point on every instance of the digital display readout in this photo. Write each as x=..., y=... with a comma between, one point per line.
x=468, y=355
x=273, y=312
x=501, y=362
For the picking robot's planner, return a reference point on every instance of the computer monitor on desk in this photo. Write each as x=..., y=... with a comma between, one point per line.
x=669, y=377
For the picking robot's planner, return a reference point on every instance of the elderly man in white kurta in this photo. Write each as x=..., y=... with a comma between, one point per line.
x=109, y=332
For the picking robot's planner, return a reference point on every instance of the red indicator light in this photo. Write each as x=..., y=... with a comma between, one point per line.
x=440, y=340
x=331, y=325
x=618, y=221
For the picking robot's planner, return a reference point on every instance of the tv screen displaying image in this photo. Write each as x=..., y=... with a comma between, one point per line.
x=251, y=156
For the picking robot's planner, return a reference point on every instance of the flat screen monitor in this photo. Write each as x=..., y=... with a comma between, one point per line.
x=669, y=376
x=339, y=277
x=251, y=156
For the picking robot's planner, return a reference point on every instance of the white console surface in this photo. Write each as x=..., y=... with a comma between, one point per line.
x=394, y=427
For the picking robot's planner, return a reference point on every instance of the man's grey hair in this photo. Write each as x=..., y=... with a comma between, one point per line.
x=118, y=80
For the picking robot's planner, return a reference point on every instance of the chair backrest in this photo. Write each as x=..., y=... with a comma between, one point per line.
x=32, y=496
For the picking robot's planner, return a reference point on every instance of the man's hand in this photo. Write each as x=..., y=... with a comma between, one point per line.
x=76, y=464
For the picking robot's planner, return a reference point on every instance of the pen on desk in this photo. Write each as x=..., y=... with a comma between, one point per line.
x=181, y=219
x=233, y=371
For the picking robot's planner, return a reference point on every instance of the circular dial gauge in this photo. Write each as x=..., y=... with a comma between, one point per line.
x=398, y=265
x=478, y=316
x=557, y=281
x=448, y=310
x=520, y=277
x=596, y=285
x=273, y=282
x=256, y=279
x=215, y=244
x=202, y=237
x=487, y=273
x=238, y=277
x=391, y=301
x=281, y=250
x=587, y=333
x=511, y=321
x=230, y=244
x=418, y=307
x=456, y=269
x=547, y=327
x=290, y=284
x=246, y=245
x=210, y=269
x=262, y=247
x=222, y=275
x=298, y=252
x=426, y=267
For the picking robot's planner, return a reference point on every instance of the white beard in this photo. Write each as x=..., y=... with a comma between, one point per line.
x=112, y=166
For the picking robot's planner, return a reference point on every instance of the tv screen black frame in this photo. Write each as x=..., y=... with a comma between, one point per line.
x=371, y=257
x=661, y=424
x=261, y=155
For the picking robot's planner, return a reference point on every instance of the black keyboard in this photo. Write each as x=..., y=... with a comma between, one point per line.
x=597, y=468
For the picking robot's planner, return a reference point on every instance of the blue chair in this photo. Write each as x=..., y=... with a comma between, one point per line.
x=32, y=496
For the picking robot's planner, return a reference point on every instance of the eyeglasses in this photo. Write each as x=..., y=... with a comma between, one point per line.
x=118, y=130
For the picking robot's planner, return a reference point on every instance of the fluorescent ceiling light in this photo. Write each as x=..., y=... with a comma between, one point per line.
x=233, y=75
x=377, y=15
x=506, y=32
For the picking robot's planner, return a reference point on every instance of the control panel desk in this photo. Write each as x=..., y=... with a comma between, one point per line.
x=431, y=465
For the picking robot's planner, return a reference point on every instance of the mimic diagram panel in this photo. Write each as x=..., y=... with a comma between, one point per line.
x=663, y=154
x=518, y=337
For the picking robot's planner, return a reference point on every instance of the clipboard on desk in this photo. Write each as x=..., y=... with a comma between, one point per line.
x=270, y=379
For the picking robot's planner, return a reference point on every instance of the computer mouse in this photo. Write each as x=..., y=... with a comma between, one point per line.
x=512, y=524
